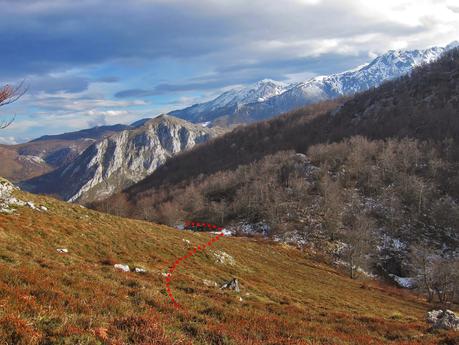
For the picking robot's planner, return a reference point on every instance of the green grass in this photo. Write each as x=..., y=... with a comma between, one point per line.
x=78, y=298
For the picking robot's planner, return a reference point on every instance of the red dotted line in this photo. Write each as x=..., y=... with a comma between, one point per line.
x=189, y=255
x=189, y=223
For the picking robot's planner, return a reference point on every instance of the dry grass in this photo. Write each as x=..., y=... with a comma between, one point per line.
x=78, y=298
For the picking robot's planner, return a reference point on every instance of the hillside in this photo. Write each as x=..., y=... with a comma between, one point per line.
x=77, y=297
x=120, y=160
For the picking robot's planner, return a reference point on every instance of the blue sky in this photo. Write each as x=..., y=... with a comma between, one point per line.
x=95, y=62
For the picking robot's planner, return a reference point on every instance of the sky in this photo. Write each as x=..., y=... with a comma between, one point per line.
x=97, y=62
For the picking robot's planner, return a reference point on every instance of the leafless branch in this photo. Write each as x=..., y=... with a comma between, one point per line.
x=8, y=95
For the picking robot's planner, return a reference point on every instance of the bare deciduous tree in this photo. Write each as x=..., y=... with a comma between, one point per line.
x=8, y=95
x=437, y=276
x=332, y=205
x=358, y=238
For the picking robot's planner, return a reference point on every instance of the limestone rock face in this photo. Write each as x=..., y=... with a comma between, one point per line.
x=121, y=160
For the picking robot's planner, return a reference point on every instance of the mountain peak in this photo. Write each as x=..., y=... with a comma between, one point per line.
x=452, y=45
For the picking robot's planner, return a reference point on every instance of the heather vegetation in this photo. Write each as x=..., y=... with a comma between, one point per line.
x=78, y=297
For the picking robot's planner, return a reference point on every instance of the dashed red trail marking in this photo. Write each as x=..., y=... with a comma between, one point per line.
x=196, y=226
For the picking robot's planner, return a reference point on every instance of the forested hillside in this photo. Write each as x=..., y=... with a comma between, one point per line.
x=423, y=105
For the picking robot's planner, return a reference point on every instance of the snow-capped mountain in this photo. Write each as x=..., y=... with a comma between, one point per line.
x=231, y=101
x=268, y=98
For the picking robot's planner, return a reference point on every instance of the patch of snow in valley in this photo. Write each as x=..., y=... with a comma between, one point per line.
x=404, y=282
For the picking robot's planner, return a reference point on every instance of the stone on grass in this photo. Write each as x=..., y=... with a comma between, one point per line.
x=443, y=319
x=122, y=267
x=233, y=284
x=140, y=270
x=62, y=250
x=209, y=282
x=31, y=205
x=224, y=258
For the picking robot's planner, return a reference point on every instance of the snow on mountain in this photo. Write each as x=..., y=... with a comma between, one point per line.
x=231, y=100
x=268, y=98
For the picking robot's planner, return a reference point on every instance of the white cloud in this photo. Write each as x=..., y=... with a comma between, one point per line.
x=8, y=140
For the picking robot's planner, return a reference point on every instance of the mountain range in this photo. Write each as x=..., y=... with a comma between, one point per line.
x=268, y=97
x=92, y=164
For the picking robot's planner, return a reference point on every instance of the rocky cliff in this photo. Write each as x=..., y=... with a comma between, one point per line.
x=120, y=160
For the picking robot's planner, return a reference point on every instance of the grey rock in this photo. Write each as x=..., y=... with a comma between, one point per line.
x=233, y=284
x=443, y=319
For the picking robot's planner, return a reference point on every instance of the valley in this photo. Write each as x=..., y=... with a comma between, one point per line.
x=229, y=173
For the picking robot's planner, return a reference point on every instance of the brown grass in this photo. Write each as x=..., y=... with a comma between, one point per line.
x=78, y=298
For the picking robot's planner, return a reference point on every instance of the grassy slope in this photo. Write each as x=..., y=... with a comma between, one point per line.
x=78, y=298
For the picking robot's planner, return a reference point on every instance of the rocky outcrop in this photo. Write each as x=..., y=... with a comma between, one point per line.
x=9, y=203
x=443, y=319
x=121, y=160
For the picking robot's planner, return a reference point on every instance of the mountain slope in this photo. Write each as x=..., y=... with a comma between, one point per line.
x=121, y=159
x=77, y=297
x=388, y=66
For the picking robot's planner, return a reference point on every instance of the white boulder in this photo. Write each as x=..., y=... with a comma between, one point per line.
x=224, y=258
x=122, y=267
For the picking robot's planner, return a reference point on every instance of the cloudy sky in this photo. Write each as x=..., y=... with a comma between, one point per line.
x=95, y=62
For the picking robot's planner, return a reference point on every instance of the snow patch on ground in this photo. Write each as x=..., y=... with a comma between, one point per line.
x=33, y=159
x=404, y=282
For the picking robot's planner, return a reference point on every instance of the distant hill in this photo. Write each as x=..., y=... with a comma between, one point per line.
x=42, y=155
x=94, y=133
